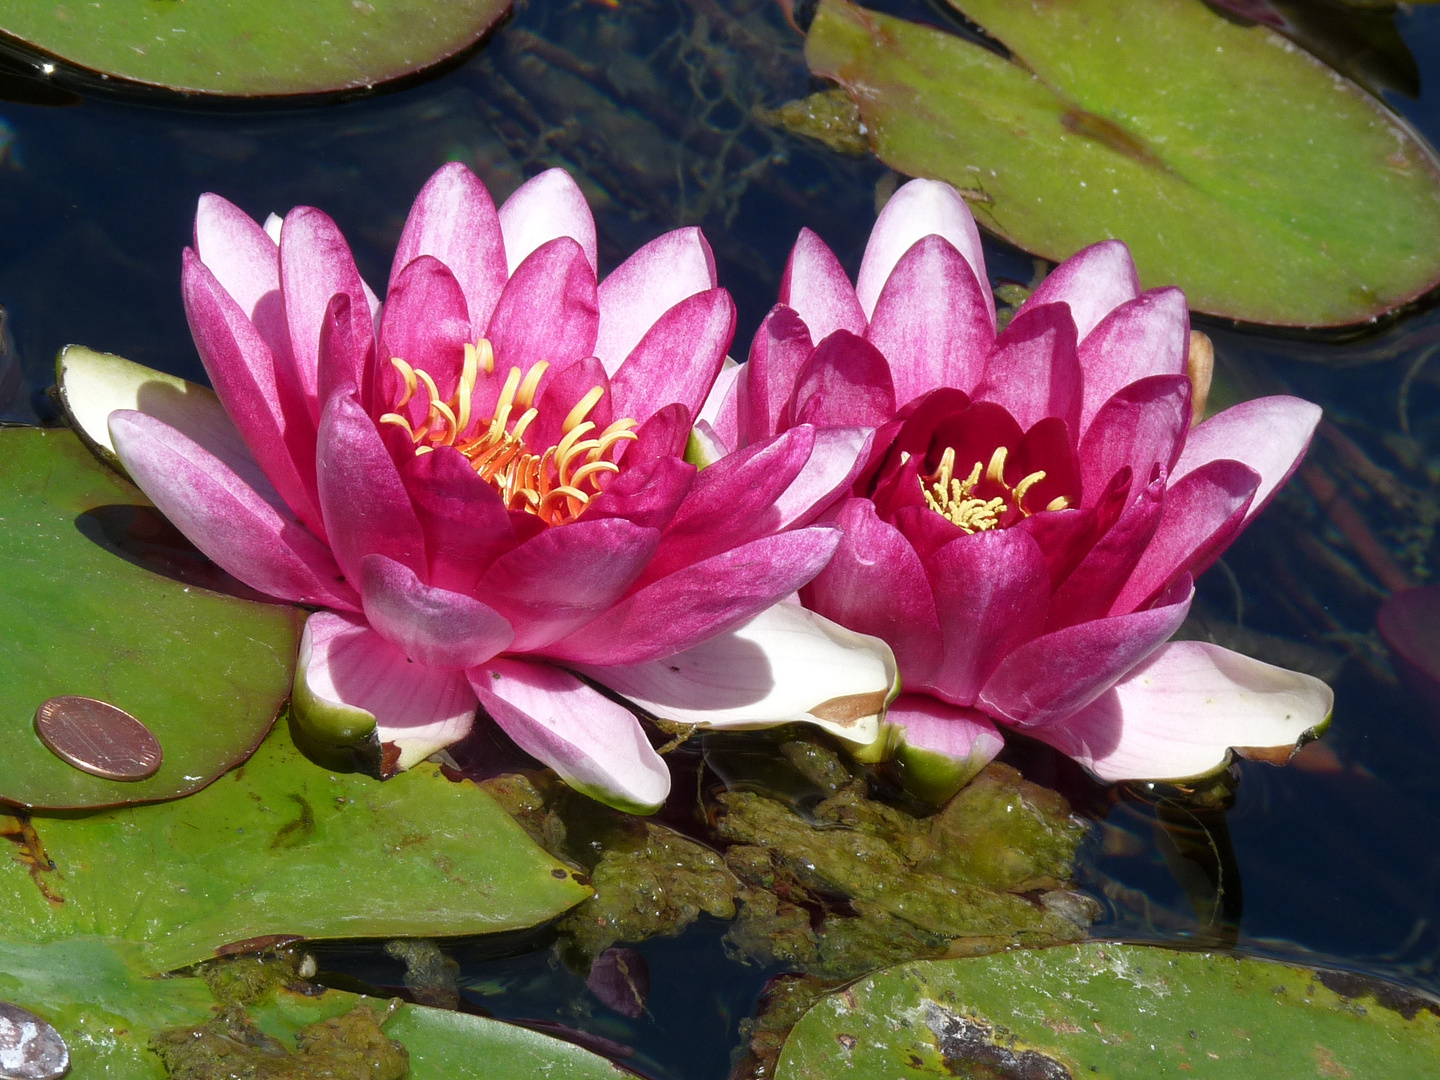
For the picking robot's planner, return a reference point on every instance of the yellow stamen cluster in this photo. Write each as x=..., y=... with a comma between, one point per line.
x=955, y=501
x=556, y=485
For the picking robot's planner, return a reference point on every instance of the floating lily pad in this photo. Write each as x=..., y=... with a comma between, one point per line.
x=260, y=48
x=1233, y=163
x=100, y=596
x=281, y=848
x=1123, y=1012
x=113, y=1017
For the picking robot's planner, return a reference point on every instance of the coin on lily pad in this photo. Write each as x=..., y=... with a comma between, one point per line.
x=259, y=48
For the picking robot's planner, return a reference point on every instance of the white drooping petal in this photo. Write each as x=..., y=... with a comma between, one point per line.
x=787, y=664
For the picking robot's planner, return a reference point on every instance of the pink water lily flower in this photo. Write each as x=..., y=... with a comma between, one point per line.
x=481, y=485
x=1035, y=505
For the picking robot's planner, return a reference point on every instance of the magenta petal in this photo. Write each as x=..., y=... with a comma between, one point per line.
x=1149, y=335
x=919, y=209
x=545, y=207
x=845, y=383
x=875, y=585
x=990, y=593
x=839, y=455
x=595, y=745
x=678, y=359
x=721, y=410
x=956, y=731
x=563, y=577
x=1143, y=425
x=367, y=509
x=347, y=351
x=443, y=629
x=246, y=263
x=1056, y=675
x=454, y=219
x=817, y=288
x=1033, y=369
x=548, y=310
x=464, y=521
x=934, y=321
x=424, y=323
x=559, y=391
x=239, y=528
x=664, y=434
x=701, y=600
x=648, y=493
x=1269, y=434
x=1089, y=590
x=767, y=380
x=275, y=424
x=1203, y=513
x=1094, y=281
x=648, y=284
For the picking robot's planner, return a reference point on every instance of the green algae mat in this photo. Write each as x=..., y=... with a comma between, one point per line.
x=1113, y=1012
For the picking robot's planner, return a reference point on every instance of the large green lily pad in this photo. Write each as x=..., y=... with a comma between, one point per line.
x=281, y=847
x=252, y=48
x=1112, y=1012
x=100, y=596
x=95, y=993
x=1234, y=164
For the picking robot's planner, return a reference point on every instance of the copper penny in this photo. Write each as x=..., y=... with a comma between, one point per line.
x=98, y=738
x=30, y=1049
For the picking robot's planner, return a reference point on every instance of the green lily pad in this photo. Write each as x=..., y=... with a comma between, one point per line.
x=1115, y=1012
x=113, y=1017
x=281, y=848
x=101, y=597
x=260, y=48
x=1234, y=164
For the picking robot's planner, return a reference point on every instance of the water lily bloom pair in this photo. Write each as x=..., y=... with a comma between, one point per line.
x=482, y=486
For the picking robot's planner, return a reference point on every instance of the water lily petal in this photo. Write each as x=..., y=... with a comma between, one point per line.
x=786, y=665
x=845, y=383
x=1089, y=590
x=1033, y=369
x=722, y=408
x=766, y=382
x=663, y=435
x=704, y=599
x=347, y=351
x=348, y=678
x=678, y=359
x=941, y=747
x=919, y=209
x=558, y=392
x=1057, y=674
x=1149, y=335
x=436, y=627
x=817, y=288
x=647, y=494
x=1269, y=434
x=246, y=263
x=245, y=531
x=454, y=219
x=464, y=520
x=1180, y=713
x=933, y=320
x=426, y=324
x=1094, y=282
x=1141, y=426
x=840, y=453
x=665, y=271
x=542, y=208
x=547, y=311
x=596, y=746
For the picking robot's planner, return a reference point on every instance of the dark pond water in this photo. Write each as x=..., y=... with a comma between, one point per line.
x=649, y=103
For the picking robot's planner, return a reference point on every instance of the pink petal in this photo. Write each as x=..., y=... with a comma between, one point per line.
x=934, y=320
x=366, y=507
x=917, y=210
x=420, y=709
x=547, y=311
x=1149, y=335
x=876, y=585
x=964, y=739
x=1033, y=369
x=1094, y=282
x=722, y=408
x=436, y=627
x=678, y=359
x=563, y=577
x=596, y=746
x=1056, y=675
x=648, y=284
x=1203, y=513
x=347, y=351
x=464, y=521
x=1269, y=434
x=845, y=383
x=817, y=288
x=839, y=455
x=1180, y=713
x=276, y=426
x=990, y=592
x=664, y=434
x=648, y=493
x=425, y=323
x=543, y=208
x=454, y=219
x=246, y=263
x=239, y=528
x=700, y=601
x=559, y=391
x=767, y=380
x=1143, y=425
